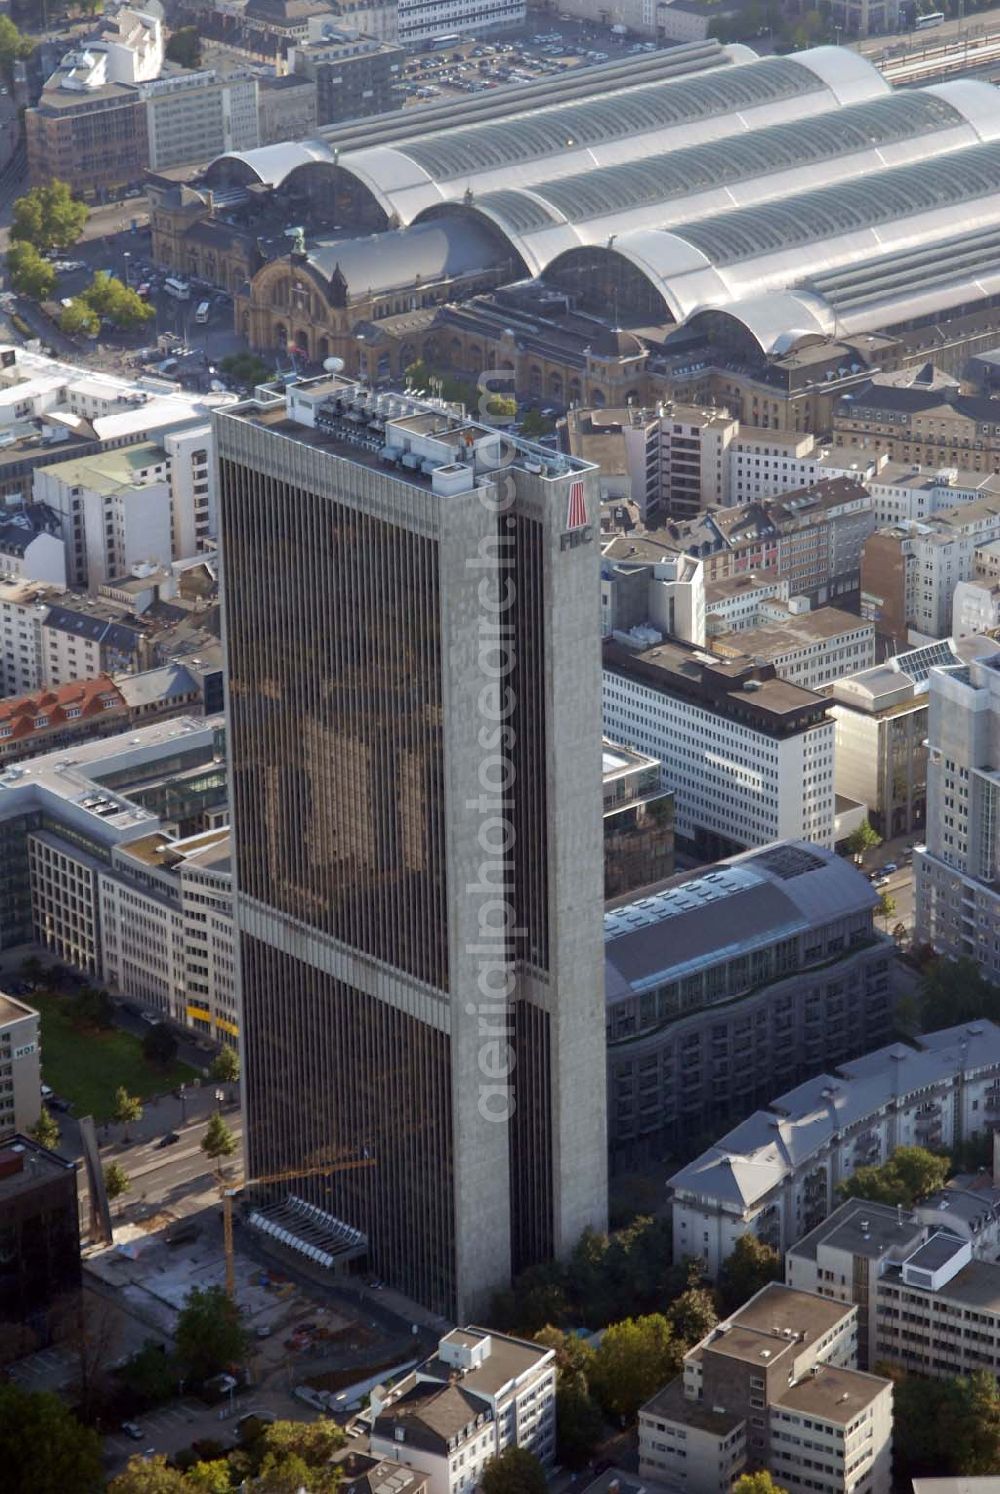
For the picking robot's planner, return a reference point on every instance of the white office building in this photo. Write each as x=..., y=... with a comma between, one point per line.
x=196, y=116
x=776, y=1175
x=481, y=1393
x=748, y=756
x=776, y=1387
x=20, y=1067
x=903, y=491
x=420, y=20
x=925, y=1281
x=957, y=901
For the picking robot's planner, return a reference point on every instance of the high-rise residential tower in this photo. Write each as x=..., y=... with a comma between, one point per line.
x=412, y=632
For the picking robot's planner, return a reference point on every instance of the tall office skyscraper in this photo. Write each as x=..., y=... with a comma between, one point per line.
x=412, y=634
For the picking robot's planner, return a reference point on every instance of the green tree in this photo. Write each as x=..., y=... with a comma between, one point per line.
x=757, y=1483
x=246, y=370
x=977, y=1450
x=159, y=1045
x=579, y=1423
x=92, y=1011
x=886, y=907
x=636, y=1358
x=692, y=1315
x=79, y=319
x=910, y=1173
x=218, y=1141
x=535, y=1298
x=128, y=1109
x=149, y=1377
x=210, y=1333
x=211, y=1478
x=32, y=968
x=536, y=424
x=750, y=1265
x=226, y=1068
x=954, y=991
x=30, y=274
x=314, y=1442
x=12, y=46
x=107, y=297
x=514, y=1471
x=116, y=1181
x=45, y=1449
x=863, y=839
x=46, y=1130
x=49, y=217
x=148, y=1476
x=574, y=1356
x=184, y=47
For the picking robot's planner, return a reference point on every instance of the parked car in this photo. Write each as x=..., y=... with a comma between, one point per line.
x=889, y=868
x=134, y=1430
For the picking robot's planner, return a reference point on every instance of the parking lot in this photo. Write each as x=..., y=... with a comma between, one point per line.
x=477, y=66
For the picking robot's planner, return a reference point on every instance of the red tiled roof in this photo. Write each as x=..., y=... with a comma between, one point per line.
x=23, y=716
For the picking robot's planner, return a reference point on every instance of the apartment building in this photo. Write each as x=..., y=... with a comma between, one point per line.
x=956, y=896
x=775, y=1386
x=769, y=463
x=812, y=538
x=638, y=821
x=20, y=1067
x=22, y=613
x=748, y=756
x=935, y=427
x=115, y=509
x=354, y=76
x=648, y=589
x=904, y=492
x=701, y=1025
x=196, y=116
x=927, y=1293
x=880, y=740
x=909, y=571
x=49, y=719
x=31, y=545
x=480, y=1394
x=776, y=1174
x=805, y=648
x=975, y=608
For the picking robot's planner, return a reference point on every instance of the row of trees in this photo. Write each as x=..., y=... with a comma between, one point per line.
x=108, y=299
x=911, y=1173
x=945, y=1428
x=610, y=1277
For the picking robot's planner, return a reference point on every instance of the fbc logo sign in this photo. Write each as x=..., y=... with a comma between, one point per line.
x=577, y=531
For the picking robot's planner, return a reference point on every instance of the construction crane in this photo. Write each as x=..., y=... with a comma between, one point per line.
x=289, y=1175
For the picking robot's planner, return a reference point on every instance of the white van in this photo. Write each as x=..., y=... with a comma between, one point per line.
x=201, y=315
x=179, y=289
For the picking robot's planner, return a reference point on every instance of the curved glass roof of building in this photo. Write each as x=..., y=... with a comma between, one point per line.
x=488, y=146
x=846, y=207
x=700, y=168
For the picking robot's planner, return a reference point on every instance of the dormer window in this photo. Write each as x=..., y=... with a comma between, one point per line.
x=41, y=721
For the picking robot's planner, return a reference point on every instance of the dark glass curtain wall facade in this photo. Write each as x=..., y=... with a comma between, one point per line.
x=335, y=701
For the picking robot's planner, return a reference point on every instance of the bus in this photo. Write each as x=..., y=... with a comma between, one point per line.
x=438, y=43
x=932, y=18
x=179, y=289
